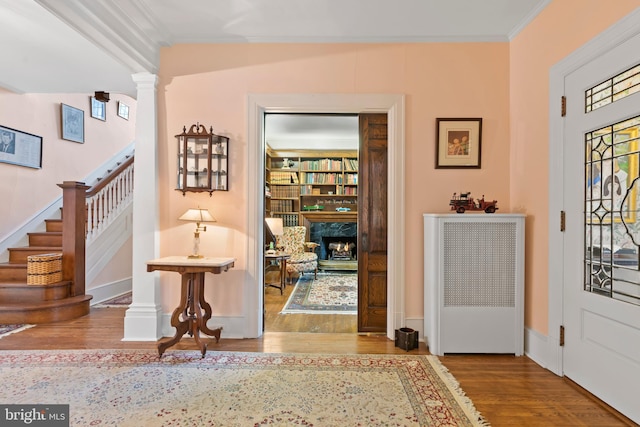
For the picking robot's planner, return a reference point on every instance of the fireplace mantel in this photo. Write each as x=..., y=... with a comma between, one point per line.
x=320, y=216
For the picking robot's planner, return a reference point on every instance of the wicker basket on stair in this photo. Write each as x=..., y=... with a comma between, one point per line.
x=44, y=269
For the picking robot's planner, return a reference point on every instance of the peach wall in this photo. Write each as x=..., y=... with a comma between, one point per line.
x=25, y=191
x=562, y=27
x=210, y=84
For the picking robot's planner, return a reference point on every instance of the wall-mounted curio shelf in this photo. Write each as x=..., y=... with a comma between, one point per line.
x=202, y=160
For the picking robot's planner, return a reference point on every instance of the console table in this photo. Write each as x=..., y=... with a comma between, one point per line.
x=281, y=259
x=192, y=313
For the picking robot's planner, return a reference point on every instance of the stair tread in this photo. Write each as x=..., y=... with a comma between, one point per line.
x=38, y=248
x=45, y=233
x=17, y=284
x=46, y=304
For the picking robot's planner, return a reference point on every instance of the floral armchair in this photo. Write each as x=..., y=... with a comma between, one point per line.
x=303, y=258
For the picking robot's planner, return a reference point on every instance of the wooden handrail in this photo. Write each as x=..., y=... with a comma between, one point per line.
x=111, y=174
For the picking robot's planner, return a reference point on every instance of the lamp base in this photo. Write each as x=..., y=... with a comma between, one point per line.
x=195, y=256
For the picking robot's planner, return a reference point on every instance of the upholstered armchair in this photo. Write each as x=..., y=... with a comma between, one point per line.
x=303, y=257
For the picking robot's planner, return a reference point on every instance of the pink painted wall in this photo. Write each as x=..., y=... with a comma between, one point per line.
x=562, y=27
x=210, y=84
x=25, y=191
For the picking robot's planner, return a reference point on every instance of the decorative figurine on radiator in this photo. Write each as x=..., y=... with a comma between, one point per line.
x=464, y=202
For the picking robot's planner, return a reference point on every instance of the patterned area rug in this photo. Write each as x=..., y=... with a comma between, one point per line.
x=119, y=301
x=12, y=329
x=328, y=294
x=135, y=388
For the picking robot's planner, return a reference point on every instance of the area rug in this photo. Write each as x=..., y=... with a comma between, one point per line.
x=12, y=329
x=136, y=388
x=328, y=294
x=119, y=301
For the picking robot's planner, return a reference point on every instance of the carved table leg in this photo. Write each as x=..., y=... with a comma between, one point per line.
x=196, y=311
x=207, y=315
x=182, y=326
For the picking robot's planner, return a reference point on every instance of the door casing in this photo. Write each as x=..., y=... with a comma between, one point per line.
x=258, y=105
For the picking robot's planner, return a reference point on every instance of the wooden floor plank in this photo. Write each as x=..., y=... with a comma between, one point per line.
x=507, y=390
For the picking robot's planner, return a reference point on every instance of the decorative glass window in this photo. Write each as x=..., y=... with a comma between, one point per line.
x=612, y=234
x=613, y=89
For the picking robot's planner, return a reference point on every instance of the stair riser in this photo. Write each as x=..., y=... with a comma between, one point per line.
x=20, y=255
x=53, y=240
x=44, y=315
x=54, y=225
x=30, y=294
x=9, y=273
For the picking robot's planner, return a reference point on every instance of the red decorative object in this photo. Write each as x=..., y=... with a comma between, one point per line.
x=464, y=202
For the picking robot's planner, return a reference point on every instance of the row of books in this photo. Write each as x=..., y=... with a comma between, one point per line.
x=322, y=165
x=322, y=178
x=278, y=177
x=288, y=192
x=288, y=220
x=282, y=205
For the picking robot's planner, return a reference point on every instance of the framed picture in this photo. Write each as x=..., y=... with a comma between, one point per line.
x=20, y=148
x=72, y=123
x=98, y=109
x=458, y=143
x=123, y=110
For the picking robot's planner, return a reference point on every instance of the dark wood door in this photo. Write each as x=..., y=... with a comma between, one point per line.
x=372, y=224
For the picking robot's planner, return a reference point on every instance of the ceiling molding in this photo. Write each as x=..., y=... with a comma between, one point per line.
x=533, y=13
x=112, y=29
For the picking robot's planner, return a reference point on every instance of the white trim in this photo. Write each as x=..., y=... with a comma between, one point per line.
x=533, y=13
x=111, y=290
x=392, y=104
x=623, y=30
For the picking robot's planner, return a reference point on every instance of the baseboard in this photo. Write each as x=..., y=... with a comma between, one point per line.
x=110, y=290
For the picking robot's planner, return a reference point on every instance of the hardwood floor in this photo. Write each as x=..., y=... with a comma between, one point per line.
x=507, y=390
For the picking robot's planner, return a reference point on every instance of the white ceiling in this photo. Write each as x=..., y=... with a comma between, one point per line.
x=80, y=46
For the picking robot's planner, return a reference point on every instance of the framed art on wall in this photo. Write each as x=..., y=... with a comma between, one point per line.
x=20, y=148
x=72, y=123
x=458, y=143
x=98, y=109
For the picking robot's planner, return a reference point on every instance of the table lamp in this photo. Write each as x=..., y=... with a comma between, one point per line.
x=197, y=215
x=276, y=229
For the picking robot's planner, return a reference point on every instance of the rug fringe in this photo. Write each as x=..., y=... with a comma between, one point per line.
x=465, y=402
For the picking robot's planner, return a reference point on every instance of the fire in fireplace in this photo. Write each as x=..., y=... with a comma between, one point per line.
x=341, y=251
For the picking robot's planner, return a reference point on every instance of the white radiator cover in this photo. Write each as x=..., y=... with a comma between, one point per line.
x=474, y=283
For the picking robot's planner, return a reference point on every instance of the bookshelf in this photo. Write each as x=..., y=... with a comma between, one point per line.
x=309, y=181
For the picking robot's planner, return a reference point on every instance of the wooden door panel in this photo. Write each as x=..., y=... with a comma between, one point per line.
x=372, y=224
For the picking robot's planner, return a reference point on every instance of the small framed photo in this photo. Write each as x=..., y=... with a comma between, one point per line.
x=458, y=143
x=123, y=110
x=98, y=109
x=72, y=123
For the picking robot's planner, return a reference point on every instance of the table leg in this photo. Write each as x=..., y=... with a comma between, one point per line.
x=182, y=326
x=207, y=315
x=196, y=311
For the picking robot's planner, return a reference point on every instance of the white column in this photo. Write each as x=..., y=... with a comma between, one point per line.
x=143, y=319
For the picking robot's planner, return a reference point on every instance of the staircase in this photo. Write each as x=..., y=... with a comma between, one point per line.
x=87, y=212
x=22, y=303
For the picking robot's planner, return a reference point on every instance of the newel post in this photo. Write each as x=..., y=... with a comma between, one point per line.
x=73, y=234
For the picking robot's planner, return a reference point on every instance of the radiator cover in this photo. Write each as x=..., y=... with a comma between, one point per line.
x=474, y=283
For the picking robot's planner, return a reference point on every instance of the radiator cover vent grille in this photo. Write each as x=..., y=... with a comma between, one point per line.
x=479, y=264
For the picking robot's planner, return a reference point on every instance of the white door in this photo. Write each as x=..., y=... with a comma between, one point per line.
x=601, y=283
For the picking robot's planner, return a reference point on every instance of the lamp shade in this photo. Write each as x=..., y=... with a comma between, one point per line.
x=197, y=215
x=275, y=226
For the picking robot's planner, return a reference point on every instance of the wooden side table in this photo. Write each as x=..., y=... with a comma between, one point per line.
x=281, y=258
x=192, y=313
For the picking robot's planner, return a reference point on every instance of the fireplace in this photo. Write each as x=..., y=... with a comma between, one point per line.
x=328, y=234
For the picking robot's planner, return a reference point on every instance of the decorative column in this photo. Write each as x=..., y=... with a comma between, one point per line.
x=143, y=319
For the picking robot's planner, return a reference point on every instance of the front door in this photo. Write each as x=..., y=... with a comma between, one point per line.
x=601, y=282
x=372, y=224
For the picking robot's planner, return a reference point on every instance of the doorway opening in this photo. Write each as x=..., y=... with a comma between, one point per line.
x=311, y=189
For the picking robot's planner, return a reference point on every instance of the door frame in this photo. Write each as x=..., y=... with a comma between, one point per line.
x=626, y=28
x=257, y=106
